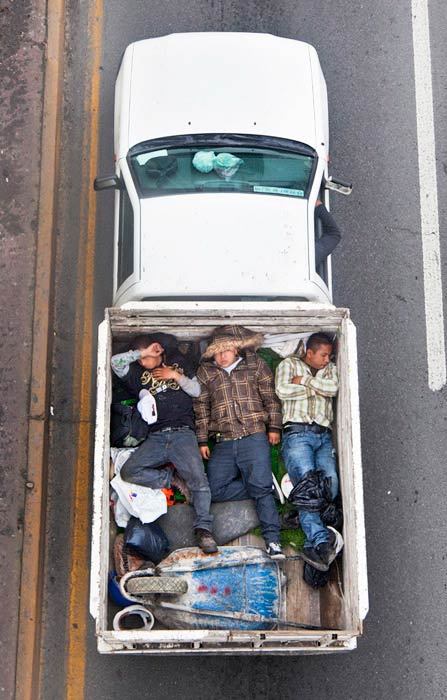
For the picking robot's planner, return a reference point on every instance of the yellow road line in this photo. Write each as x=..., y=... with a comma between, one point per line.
x=79, y=572
x=29, y=633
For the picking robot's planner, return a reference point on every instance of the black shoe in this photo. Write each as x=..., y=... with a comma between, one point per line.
x=326, y=550
x=311, y=556
x=206, y=541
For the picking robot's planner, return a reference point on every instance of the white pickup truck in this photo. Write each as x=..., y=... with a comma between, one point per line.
x=203, y=240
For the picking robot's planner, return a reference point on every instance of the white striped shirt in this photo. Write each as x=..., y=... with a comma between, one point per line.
x=311, y=400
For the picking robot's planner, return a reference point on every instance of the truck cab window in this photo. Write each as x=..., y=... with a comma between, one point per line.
x=125, y=238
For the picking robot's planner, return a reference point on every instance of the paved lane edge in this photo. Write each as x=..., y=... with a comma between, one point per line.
x=31, y=583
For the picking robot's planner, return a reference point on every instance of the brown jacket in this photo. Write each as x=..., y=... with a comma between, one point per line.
x=237, y=404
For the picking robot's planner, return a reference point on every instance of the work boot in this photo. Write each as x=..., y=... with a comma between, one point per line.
x=311, y=556
x=177, y=482
x=206, y=541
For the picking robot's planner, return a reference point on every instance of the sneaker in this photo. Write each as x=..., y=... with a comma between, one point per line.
x=177, y=482
x=274, y=550
x=326, y=550
x=206, y=541
x=312, y=557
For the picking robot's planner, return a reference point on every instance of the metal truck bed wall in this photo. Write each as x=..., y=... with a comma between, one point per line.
x=193, y=320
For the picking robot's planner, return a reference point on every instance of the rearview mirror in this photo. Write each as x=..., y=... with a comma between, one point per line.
x=112, y=182
x=338, y=186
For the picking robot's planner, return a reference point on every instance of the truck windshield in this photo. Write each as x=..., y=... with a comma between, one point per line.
x=222, y=169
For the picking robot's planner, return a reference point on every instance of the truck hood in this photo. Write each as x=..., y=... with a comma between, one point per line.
x=222, y=83
x=253, y=245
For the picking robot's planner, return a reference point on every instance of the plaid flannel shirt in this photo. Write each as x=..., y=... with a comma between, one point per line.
x=310, y=401
x=238, y=404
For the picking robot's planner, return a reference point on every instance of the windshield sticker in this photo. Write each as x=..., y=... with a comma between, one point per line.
x=144, y=157
x=278, y=190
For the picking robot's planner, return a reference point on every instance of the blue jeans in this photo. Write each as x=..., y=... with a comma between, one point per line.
x=179, y=447
x=303, y=451
x=239, y=469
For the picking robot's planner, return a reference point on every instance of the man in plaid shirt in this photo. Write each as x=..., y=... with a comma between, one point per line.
x=306, y=387
x=239, y=408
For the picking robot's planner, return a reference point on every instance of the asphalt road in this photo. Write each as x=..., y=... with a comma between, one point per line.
x=366, y=52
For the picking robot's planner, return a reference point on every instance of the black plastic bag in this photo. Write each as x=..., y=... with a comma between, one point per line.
x=333, y=515
x=313, y=577
x=313, y=492
x=146, y=539
x=127, y=428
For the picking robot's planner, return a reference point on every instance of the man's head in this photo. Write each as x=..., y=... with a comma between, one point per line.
x=153, y=355
x=318, y=351
x=225, y=357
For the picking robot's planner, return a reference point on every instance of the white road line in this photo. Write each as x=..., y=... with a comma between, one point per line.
x=431, y=254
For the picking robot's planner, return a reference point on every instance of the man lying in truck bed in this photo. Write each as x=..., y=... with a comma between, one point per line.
x=155, y=366
x=238, y=407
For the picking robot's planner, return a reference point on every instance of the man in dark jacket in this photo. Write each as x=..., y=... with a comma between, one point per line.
x=236, y=406
x=155, y=369
x=330, y=236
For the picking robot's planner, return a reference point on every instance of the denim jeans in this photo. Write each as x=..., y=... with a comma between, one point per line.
x=303, y=451
x=179, y=447
x=240, y=469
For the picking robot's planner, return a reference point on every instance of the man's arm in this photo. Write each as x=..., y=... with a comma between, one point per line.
x=190, y=385
x=121, y=362
x=326, y=384
x=202, y=410
x=285, y=389
x=266, y=388
x=331, y=234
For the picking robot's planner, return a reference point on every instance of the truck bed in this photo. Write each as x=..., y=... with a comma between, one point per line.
x=340, y=607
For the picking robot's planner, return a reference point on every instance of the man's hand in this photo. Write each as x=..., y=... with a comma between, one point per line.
x=205, y=451
x=273, y=437
x=153, y=350
x=318, y=202
x=296, y=380
x=166, y=373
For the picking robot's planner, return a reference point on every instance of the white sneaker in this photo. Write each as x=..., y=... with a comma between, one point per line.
x=274, y=550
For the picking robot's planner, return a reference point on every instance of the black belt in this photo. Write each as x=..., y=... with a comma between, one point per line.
x=302, y=427
x=171, y=430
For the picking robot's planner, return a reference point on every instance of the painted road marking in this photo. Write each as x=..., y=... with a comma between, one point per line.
x=431, y=254
x=79, y=575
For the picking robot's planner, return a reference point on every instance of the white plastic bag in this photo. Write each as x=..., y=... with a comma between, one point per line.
x=147, y=407
x=141, y=501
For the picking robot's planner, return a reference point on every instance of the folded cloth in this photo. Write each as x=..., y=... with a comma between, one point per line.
x=284, y=344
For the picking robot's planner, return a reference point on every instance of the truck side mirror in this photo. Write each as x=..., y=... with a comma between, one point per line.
x=112, y=182
x=338, y=186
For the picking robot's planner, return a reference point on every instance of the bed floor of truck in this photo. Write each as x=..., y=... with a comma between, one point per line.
x=301, y=604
